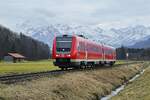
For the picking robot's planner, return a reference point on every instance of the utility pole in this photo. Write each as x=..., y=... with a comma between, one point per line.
x=127, y=56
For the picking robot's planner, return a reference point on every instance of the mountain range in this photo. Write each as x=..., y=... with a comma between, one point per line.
x=142, y=44
x=131, y=36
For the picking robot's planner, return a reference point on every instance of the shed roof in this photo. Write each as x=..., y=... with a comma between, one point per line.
x=16, y=55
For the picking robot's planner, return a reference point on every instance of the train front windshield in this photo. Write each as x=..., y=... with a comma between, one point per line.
x=63, y=44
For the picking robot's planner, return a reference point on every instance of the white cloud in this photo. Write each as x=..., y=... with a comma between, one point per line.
x=107, y=13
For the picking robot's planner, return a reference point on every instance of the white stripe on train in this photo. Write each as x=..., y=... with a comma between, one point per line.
x=88, y=60
x=78, y=60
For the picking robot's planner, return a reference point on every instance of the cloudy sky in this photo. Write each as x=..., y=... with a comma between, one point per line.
x=106, y=13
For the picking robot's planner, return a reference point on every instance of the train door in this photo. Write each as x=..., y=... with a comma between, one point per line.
x=85, y=53
x=103, y=54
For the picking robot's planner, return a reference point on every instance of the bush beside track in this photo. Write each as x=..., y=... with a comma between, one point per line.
x=80, y=85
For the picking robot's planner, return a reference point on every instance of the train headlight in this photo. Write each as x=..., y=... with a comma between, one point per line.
x=57, y=55
x=69, y=55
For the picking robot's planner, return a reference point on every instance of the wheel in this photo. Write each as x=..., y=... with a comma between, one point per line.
x=93, y=66
x=62, y=68
x=82, y=67
x=111, y=63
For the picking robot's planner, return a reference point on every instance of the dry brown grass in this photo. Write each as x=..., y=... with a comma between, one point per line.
x=82, y=85
x=136, y=90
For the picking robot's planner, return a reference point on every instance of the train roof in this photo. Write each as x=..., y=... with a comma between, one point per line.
x=107, y=46
x=84, y=38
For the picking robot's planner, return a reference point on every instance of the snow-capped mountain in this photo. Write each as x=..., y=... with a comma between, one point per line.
x=141, y=44
x=130, y=35
x=116, y=37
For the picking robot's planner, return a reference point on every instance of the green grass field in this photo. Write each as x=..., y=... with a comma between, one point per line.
x=31, y=66
x=26, y=67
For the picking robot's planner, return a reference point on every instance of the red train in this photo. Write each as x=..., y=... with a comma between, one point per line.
x=76, y=51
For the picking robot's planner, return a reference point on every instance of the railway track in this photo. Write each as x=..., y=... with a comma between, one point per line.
x=10, y=79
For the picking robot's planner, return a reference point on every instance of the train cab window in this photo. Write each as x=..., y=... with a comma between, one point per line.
x=63, y=44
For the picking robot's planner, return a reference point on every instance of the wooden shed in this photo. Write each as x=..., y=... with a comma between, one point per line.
x=14, y=57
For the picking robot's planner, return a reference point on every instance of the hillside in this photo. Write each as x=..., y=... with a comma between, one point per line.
x=13, y=42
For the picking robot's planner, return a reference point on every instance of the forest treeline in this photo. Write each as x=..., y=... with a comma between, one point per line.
x=133, y=54
x=35, y=50
x=12, y=42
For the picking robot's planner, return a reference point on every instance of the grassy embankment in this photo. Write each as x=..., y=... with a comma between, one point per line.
x=137, y=90
x=26, y=67
x=81, y=85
